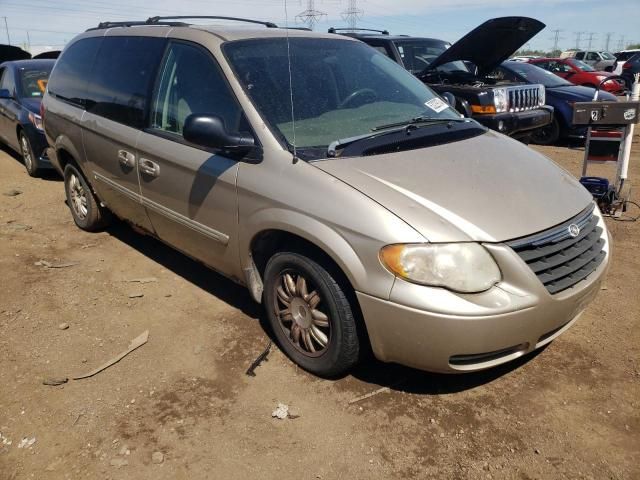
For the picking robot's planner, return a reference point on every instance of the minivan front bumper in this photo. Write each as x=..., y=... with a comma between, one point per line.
x=437, y=330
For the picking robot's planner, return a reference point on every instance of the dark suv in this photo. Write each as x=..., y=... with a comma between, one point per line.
x=462, y=69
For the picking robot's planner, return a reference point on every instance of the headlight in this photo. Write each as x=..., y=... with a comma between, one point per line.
x=500, y=100
x=462, y=267
x=36, y=120
x=542, y=95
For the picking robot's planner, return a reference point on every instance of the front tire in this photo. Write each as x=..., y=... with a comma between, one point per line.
x=310, y=315
x=31, y=162
x=547, y=135
x=85, y=208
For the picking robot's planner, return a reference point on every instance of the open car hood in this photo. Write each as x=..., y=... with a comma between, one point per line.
x=488, y=45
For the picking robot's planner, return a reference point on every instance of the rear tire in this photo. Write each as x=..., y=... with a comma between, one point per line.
x=547, y=135
x=310, y=315
x=85, y=208
x=31, y=162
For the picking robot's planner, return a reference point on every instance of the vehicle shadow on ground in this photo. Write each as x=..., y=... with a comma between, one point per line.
x=370, y=371
x=48, y=174
x=191, y=270
x=404, y=379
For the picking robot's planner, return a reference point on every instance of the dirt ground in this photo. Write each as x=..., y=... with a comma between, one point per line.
x=569, y=411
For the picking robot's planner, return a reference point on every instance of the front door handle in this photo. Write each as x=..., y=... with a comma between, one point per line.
x=126, y=159
x=149, y=168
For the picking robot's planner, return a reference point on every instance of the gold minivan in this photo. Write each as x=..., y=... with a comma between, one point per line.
x=353, y=202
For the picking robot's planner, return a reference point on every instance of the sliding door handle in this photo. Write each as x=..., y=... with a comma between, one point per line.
x=152, y=169
x=126, y=159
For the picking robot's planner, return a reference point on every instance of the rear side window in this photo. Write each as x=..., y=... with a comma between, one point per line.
x=71, y=73
x=580, y=55
x=5, y=80
x=122, y=76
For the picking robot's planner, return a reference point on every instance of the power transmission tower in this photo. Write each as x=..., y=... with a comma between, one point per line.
x=352, y=14
x=7, y=29
x=578, y=38
x=607, y=41
x=556, y=37
x=591, y=35
x=621, y=43
x=310, y=16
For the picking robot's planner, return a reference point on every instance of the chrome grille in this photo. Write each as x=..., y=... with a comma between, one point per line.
x=560, y=260
x=525, y=97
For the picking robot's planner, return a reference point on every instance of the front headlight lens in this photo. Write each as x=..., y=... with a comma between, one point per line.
x=36, y=120
x=500, y=100
x=462, y=267
x=542, y=95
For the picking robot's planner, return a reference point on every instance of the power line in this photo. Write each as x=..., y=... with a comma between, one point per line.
x=352, y=14
x=310, y=16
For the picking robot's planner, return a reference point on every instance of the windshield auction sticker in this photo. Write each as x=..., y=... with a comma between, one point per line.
x=436, y=105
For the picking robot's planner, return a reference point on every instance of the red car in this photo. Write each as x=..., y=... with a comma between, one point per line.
x=578, y=72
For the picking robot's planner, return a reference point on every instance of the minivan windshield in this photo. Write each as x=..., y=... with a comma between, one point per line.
x=33, y=81
x=341, y=88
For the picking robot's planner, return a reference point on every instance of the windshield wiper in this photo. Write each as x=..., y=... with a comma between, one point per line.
x=417, y=120
x=388, y=129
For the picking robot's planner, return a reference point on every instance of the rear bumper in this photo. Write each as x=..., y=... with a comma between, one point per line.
x=437, y=330
x=517, y=123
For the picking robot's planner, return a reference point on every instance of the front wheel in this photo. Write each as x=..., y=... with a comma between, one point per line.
x=310, y=315
x=547, y=135
x=87, y=212
x=31, y=162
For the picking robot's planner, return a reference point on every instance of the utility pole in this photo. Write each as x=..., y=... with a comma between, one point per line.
x=621, y=43
x=556, y=37
x=607, y=41
x=310, y=16
x=352, y=14
x=591, y=35
x=6, y=27
x=578, y=38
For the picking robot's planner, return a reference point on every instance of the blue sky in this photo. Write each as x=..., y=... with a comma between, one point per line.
x=53, y=23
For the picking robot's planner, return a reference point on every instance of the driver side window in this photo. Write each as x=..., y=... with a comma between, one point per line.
x=191, y=82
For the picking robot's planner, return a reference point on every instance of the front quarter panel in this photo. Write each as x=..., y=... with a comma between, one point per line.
x=300, y=199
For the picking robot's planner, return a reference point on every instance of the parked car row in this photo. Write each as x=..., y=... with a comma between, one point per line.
x=351, y=200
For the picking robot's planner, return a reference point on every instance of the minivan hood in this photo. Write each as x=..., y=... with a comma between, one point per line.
x=489, y=188
x=490, y=44
x=577, y=93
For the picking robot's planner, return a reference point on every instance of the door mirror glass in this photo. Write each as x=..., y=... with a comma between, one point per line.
x=4, y=93
x=209, y=131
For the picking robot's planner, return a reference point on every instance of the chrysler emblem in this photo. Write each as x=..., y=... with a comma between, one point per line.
x=574, y=230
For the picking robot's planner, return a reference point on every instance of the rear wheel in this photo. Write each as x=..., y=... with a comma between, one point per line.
x=310, y=315
x=31, y=162
x=547, y=135
x=85, y=208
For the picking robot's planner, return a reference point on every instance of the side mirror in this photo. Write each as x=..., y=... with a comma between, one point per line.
x=209, y=131
x=449, y=98
x=5, y=94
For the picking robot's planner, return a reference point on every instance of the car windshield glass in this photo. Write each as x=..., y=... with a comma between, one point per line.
x=585, y=67
x=33, y=81
x=418, y=55
x=341, y=88
x=607, y=56
x=532, y=74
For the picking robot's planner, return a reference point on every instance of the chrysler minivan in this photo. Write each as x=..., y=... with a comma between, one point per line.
x=352, y=201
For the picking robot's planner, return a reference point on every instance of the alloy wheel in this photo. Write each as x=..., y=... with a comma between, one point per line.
x=306, y=327
x=26, y=152
x=78, y=196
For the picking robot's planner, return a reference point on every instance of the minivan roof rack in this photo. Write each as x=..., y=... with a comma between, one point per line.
x=157, y=20
x=334, y=30
x=133, y=23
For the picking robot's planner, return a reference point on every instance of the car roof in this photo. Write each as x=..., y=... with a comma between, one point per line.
x=223, y=32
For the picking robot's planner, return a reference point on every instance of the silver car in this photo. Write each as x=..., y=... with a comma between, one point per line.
x=352, y=201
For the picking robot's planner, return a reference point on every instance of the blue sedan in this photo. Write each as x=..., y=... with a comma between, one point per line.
x=560, y=94
x=22, y=85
